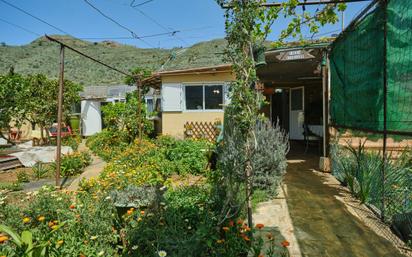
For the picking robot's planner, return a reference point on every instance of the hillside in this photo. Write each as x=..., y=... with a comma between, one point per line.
x=42, y=56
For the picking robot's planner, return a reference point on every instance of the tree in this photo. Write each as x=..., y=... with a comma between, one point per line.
x=122, y=116
x=248, y=25
x=11, y=107
x=40, y=104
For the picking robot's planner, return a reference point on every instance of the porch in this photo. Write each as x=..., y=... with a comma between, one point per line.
x=295, y=86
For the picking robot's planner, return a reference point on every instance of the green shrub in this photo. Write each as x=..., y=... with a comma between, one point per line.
x=14, y=186
x=74, y=163
x=72, y=225
x=72, y=141
x=108, y=144
x=186, y=156
x=22, y=177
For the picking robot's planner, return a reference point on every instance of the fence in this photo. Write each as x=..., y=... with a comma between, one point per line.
x=371, y=91
x=201, y=130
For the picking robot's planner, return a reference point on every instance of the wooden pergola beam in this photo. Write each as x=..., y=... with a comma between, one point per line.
x=228, y=6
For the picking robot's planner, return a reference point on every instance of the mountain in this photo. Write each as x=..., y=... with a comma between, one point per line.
x=42, y=56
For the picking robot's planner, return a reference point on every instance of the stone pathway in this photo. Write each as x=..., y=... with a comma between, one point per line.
x=91, y=171
x=323, y=225
x=310, y=214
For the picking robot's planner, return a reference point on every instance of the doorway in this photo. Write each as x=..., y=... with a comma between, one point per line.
x=280, y=108
x=297, y=113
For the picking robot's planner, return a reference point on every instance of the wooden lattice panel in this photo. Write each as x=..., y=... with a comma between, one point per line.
x=201, y=130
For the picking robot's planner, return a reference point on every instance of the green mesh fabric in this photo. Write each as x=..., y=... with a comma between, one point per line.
x=357, y=71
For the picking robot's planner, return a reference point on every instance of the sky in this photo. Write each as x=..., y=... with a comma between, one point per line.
x=194, y=21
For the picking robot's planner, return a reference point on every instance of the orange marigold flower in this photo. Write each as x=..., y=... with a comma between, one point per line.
x=260, y=226
x=3, y=239
x=41, y=218
x=142, y=212
x=130, y=211
x=82, y=255
x=246, y=227
x=285, y=243
x=26, y=220
x=225, y=229
x=231, y=223
x=239, y=221
x=246, y=238
x=72, y=206
x=261, y=255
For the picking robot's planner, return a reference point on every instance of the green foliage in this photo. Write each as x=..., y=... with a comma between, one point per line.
x=108, y=144
x=361, y=171
x=73, y=164
x=24, y=243
x=186, y=156
x=151, y=162
x=40, y=170
x=22, y=177
x=14, y=186
x=69, y=225
x=41, y=99
x=33, y=98
x=123, y=117
x=11, y=104
x=269, y=158
x=72, y=141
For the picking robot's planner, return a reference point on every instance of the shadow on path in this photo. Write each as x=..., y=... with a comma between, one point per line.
x=323, y=225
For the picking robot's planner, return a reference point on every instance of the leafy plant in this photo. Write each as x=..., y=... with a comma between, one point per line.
x=108, y=144
x=25, y=247
x=22, y=177
x=40, y=170
x=74, y=163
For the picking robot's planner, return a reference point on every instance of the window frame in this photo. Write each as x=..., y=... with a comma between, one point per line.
x=204, y=84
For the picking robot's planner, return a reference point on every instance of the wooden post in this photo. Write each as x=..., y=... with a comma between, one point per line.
x=59, y=116
x=139, y=107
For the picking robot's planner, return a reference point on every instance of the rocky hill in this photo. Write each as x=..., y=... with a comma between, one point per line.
x=42, y=56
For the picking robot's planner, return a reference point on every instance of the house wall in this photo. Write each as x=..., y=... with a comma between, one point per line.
x=173, y=122
x=91, y=118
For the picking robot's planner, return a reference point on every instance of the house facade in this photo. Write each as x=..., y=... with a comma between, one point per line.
x=196, y=95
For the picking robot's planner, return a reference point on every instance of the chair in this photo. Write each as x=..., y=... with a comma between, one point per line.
x=310, y=137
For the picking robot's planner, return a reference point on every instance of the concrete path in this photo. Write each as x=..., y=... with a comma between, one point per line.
x=322, y=224
x=274, y=214
x=91, y=171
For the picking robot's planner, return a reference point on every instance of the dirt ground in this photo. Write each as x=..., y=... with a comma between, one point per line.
x=322, y=224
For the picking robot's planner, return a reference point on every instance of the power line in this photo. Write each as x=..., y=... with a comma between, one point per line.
x=20, y=27
x=87, y=56
x=143, y=3
x=158, y=24
x=116, y=22
x=35, y=17
x=114, y=38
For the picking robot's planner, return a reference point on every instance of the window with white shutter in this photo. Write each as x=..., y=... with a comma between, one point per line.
x=171, y=97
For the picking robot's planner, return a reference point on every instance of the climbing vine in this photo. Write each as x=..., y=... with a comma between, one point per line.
x=248, y=25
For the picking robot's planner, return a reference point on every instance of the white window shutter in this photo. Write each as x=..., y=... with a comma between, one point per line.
x=171, y=97
x=226, y=94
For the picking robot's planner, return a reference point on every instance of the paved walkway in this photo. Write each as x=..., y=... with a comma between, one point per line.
x=91, y=171
x=322, y=224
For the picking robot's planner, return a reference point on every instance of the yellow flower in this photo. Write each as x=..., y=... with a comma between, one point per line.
x=60, y=242
x=26, y=220
x=3, y=239
x=41, y=218
x=220, y=241
x=55, y=227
